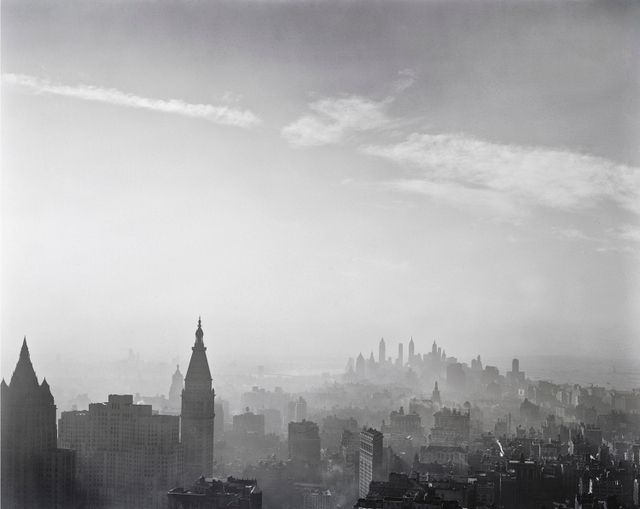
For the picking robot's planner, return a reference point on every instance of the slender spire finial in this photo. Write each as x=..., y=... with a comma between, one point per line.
x=199, y=333
x=24, y=351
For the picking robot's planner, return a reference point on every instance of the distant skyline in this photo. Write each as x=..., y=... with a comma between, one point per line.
x=311, y=176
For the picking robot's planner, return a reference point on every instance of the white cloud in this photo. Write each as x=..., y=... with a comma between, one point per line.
x=335, y=118
x=519, y=177
x=224, y=115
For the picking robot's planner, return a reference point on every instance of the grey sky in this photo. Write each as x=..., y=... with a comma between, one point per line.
x=320, y=173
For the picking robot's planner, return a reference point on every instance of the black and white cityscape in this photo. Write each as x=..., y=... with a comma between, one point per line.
x=320, y=254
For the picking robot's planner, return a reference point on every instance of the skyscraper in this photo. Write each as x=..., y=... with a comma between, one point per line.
x=411, y=351
x=382, y=352
x=127, y=456
x=198, y=413
x=360, y=367
x=35, y=473
x=175, y=391
x=400, y=354
x=304, y=448
x=435, y=396
x=370, y=468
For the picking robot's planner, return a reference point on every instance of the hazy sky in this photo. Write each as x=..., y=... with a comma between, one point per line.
x=311, y=176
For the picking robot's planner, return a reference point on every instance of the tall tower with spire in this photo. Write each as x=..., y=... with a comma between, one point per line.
x=412, y=351
x=382, y=352
x=198, y=414
x=175, y=391
x=35, y=474
x=435, y=396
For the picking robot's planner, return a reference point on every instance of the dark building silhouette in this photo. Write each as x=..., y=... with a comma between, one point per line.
x=382, y=352
x=198, y=413
x=35, y=473
x=304, y=448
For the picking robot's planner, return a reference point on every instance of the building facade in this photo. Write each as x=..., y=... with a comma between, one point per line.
x=370, y=460
x=127, y=456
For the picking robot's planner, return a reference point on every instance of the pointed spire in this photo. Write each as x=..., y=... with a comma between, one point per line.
x=46, y=391
x=24, y=351
x=24, y=375
x=198, y=371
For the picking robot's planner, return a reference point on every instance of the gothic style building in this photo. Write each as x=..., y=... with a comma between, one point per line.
x=197, y=414
x=35, y=473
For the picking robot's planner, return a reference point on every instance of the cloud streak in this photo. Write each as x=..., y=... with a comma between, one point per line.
x=462, y=169
x=218, y=114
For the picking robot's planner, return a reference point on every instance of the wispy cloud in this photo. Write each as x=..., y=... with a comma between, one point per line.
x=460, y=168
x=333, y=120
x=572, y=233
x=630, y=233
x=218, y=114
x=458, y=195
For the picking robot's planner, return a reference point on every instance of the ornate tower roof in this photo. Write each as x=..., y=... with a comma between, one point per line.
x=198, y=370
x=45, y=392
x=24, y=376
